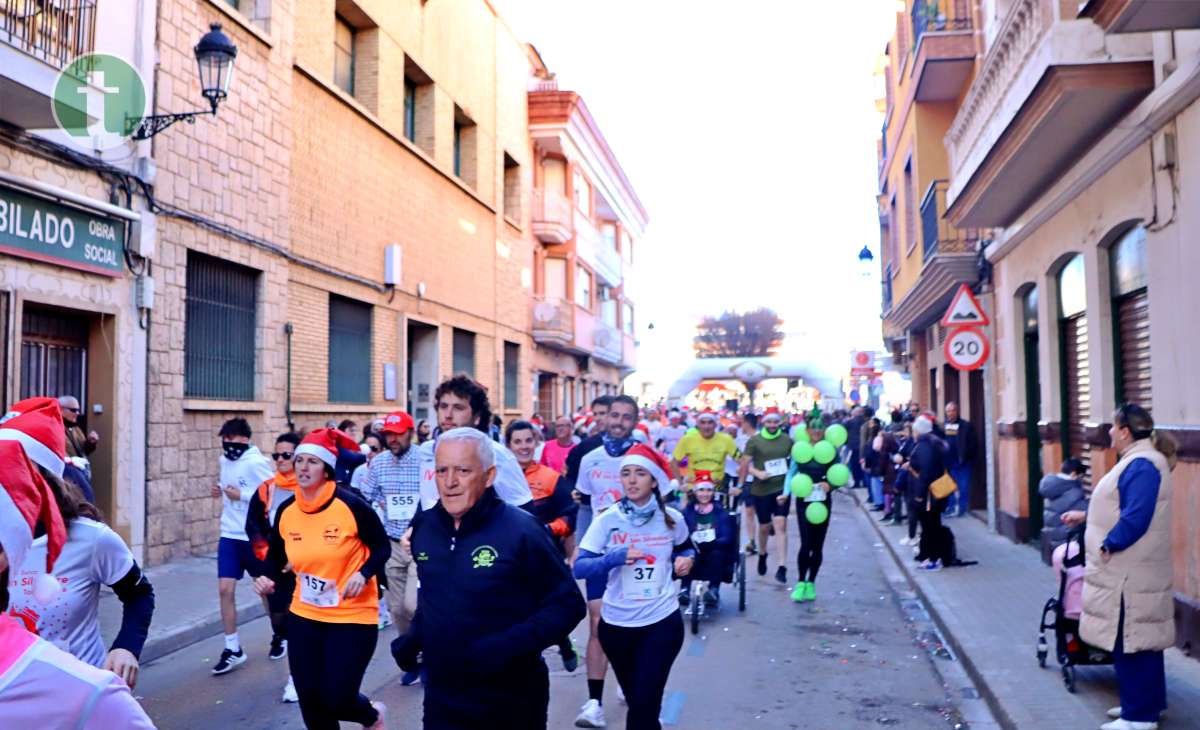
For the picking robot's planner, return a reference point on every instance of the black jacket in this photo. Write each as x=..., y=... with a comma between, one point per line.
x=964, y=442
x=928, y=463
x=494, y=594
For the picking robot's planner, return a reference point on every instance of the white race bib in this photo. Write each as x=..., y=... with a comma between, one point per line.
x=319, y=592
x=401, y=507
x=776, y=467
x=818, y=495
x=640, y=582
x=706, y=535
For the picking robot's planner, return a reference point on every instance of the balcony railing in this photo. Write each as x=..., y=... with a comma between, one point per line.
x=55, y=32
x=608, y=343
x=551, y=216
x=553, y=321
x=628, y=351
x=937, y=235
x=930, y=16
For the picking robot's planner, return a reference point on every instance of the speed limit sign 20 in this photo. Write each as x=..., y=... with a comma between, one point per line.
x=966, y=348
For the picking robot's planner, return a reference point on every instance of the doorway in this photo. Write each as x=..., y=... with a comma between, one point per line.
x=421, y=345
x=975, y=402
x=1033, y=411
x=545, y=391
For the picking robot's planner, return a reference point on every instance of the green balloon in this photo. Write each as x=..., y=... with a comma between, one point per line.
x=802, y=452
x=802, y=486
x=824, y=452
x=836, y=435
x=816, y=512
x=802, y=434
x=838, y=475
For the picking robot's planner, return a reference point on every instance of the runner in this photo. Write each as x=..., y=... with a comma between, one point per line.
x=552, y=506
x=243, y=469
x=704, y=450
x=634, y=547
x=673, y=431
x=260, y=516
x=812, y=537
x=749, y=427
x=43, y=686
x=93, y=556
x=555, y=453
x=597, y=479
x=462, y=402
x=337, y=549
x=766, y=459
x=393, y=485
x=714, y=534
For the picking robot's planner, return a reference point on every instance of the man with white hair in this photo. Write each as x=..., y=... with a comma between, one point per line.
x=495, y=593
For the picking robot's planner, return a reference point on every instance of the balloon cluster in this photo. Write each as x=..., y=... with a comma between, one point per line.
x=823, y=452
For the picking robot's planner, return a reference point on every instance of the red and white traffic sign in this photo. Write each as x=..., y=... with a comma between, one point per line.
x=965, y=310
x=862, y=363
x=966, y=348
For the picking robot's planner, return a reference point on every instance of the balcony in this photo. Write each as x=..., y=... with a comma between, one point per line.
x=593, y=250
x=1138, y=16
x=945, y=49
x=937, y=235
x=628, y=352
x=1048, y=89
x=607, y=341
x=551, y=216
x=554, y=322
x=37, y=40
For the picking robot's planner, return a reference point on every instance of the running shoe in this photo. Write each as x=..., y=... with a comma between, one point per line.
x=278, y=648
x=762, y=564
x=289, y=691
x=798, y=593
x=810, y=591
x=591, y=715
x=781, y=574
x=712, y=598
x=931, y=566
x=751, y=548
x=408, y=679
x=229, y=661
x=685, y=596
x=381, y=721
x=906, y=541
x=570, y=656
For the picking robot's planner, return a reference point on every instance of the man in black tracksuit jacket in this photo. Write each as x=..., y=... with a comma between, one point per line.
x=494, y=593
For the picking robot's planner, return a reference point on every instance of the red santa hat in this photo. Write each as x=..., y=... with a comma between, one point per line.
x=702, y=479
x=37, y=424
x=706, y=414
x=650, y=460
x=583, y=421
x=641, y=433
x=323, y=443
x=26, y=500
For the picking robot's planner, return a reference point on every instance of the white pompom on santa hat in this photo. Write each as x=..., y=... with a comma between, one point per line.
x=323, y=443
x=37, y=424
x=650, y=460
x=25, y=501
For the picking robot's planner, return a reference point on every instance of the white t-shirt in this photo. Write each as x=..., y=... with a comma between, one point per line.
x=510, y=484
x=671, y=436
x=600, y=478
x=247, y=473
x=93, y=556
x=645, y=592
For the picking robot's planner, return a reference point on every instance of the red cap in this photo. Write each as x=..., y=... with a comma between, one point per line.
x=398, y=422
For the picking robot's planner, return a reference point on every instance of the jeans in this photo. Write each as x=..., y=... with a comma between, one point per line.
x=641, y=657
x=876, y=484
x=961, y=474
x=1141, y=679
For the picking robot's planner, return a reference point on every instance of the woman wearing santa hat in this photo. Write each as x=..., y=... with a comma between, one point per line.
x=43, y=686
x=639, y=544
x=336, y=547
x=93, y=556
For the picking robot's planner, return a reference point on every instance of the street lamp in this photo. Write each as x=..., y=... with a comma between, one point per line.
x=215, y=54
x=865, y=258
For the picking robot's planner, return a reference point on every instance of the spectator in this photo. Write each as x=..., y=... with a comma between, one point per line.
x=854, y=426
x=372, y=444
x=350, y=428
x=1063, y=492
x=926, y=466
x=869, y=460
x=79, y=445
x=554, y=455
x=960, y=457
x=424, y=432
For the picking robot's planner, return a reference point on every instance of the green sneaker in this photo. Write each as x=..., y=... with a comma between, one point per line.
x=798, y=592
x=810, y=591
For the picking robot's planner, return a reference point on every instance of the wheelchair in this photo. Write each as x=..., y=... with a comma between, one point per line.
x=697, y=609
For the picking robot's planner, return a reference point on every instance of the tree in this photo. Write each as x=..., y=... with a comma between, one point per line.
x=735, y=334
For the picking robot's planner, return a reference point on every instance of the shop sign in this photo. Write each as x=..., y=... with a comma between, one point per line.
x=36, y=228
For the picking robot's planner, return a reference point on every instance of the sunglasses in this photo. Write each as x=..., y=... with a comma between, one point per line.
x=375, y=449
x=72, y=410
x=285, y=456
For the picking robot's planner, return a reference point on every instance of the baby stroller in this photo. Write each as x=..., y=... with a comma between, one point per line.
x=1064, y=610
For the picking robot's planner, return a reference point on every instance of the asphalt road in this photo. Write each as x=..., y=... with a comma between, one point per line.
x=864, y=655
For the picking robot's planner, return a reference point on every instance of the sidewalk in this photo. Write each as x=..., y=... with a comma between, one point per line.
x=185, y=606
x=989, y=614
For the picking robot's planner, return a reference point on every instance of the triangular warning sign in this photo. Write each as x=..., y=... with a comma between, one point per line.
x=964, y=310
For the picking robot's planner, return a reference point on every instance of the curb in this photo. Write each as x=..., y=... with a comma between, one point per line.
x=160, y=644
x=985, y=690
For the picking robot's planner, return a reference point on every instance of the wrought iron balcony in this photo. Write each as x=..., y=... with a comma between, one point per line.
x=55, y=32
x=931, y=16
x=937, y=234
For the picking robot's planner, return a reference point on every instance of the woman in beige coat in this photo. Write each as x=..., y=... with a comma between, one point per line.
x=1127, y=593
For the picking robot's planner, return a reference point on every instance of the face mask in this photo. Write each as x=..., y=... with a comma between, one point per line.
x=233, y=450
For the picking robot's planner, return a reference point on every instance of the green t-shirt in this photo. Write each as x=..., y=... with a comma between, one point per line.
x=761, y=450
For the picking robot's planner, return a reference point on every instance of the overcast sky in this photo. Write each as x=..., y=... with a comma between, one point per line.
x=748, y=130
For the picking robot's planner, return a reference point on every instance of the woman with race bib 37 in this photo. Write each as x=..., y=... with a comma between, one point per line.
x=336, y=547
x=639, y=544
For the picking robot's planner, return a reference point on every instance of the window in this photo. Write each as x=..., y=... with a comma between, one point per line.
x=464, y=352
x=410, y=110
x=583, y=194
x=418, y=106
x=583, y=287
x=512, y=358
x=627, y=246
x=608, y=232
x=556, y=279
x=219, y=329
x=1076, y=367
x=1131, y=318
x=343, y=55
x=464, y=147
x=512, y=188
x=349, y=351
x=627, y=318
x=910, y=208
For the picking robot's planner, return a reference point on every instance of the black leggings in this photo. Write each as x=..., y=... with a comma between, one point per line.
x=328, y=662
x=641, y=658
x=916, y=510
x=812, y=546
